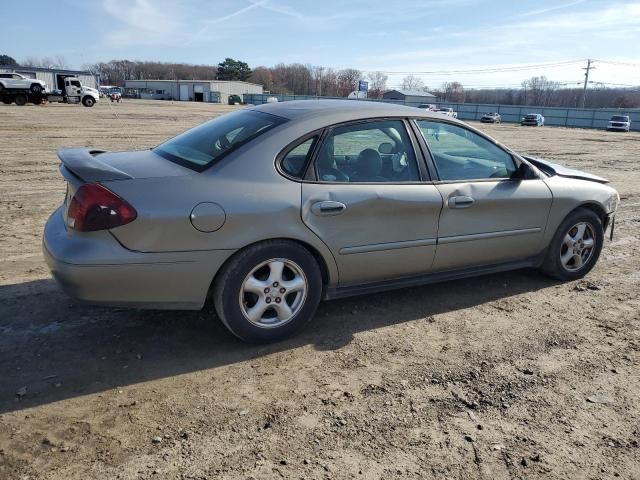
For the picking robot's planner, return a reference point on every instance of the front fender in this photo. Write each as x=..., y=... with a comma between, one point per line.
x=571, y=193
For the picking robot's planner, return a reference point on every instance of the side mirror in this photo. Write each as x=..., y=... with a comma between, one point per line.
x=524, y=172
x=385, y=148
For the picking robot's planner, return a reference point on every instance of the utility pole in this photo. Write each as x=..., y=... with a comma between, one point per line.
x=586, y=81
x=320, y=83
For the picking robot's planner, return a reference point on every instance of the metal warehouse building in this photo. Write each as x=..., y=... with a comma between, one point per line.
x=53, y=77
x=216, y=91
x=415, y=96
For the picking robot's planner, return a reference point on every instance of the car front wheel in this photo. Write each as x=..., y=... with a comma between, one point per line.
x=575, y=247
x=268, y=291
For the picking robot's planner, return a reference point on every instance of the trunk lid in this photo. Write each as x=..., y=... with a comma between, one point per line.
x=93, y=165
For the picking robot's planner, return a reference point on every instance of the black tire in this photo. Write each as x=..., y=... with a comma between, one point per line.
x=7, y=100
x=36, y=100
x=553, y=265
x=36, y=88
x=228, y=287
x=21, y=99
x=88, y=101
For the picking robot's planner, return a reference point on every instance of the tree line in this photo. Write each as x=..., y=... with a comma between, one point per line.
x=542, y=92
x=301, y=79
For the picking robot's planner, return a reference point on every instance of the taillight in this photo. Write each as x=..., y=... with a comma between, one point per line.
x=95, y=207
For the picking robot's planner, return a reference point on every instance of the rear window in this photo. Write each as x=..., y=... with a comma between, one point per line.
x=201, y=146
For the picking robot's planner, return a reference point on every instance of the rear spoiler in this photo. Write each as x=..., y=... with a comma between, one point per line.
x=83, y=163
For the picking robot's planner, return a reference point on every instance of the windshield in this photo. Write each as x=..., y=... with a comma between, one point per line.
x=619, y=118
x=201, y=146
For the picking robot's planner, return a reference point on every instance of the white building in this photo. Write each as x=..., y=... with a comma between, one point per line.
x=217, y=91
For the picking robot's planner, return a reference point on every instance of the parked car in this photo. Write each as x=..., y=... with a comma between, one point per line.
x=428, y=106
x=534, y=119
x=10, y=81
x=619, y=123
x=447, y=111
x=272, y=208
x=235, y=99
x=491, y=118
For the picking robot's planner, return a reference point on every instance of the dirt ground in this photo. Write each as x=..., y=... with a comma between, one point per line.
x=504, y=376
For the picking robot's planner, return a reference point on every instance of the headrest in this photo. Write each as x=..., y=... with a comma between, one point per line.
x=369, y=162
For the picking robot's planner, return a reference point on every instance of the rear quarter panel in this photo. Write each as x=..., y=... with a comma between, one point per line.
x=258, y=202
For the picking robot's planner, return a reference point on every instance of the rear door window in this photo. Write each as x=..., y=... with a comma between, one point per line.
x=369, y=152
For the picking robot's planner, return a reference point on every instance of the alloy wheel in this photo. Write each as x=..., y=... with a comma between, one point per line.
x=273, y=293
x=577, y=246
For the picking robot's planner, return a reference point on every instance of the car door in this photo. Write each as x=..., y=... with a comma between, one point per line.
x=368, y=198
x=73, y=87
x=489, y=214
x=13, y=81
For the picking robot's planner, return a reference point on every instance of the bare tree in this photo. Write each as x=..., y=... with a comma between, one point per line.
x=539, y=90
x=46, y=62
x=378, y=84
x=453, y=92
x=411, y=82
x=348, y=81
x=116, y=72
x=262, y=76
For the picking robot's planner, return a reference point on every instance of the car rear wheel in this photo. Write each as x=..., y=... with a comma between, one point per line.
x=268, y=291
x=21, y=99
x=575, y=247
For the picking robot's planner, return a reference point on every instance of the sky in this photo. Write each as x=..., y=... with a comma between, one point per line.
x=438, y=40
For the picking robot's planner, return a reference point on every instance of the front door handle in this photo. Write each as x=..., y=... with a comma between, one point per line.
x=328, y=208
x=460, y=201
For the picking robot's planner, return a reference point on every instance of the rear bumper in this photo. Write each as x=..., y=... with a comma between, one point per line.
x=93, y=267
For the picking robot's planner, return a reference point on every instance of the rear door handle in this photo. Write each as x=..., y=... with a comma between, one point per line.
x=460, y=201
x=328, y=208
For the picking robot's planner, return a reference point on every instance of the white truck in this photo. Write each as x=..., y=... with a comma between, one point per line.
x=16, y=88
x=448, y=112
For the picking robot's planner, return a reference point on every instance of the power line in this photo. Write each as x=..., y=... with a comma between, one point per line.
x=613, y=62
x=514, y=68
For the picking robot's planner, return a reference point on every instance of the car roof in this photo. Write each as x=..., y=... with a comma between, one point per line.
x=335, y=111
